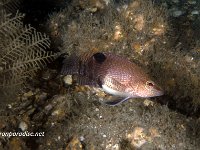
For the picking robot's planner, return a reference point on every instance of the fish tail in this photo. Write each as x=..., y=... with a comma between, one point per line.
x=76, y=64
x=70, y=65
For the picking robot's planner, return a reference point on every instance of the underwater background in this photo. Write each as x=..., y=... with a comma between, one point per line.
x=161, y=36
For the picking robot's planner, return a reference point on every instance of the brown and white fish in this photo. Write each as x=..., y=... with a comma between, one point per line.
x=114, y=74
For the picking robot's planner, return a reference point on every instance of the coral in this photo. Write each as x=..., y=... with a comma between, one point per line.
x=22, y=53
x=10, y=5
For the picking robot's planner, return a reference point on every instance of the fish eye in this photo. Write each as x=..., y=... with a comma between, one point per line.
x=99, y=57
x=150, y=83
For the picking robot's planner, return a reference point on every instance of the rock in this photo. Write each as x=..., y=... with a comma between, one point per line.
x=74, y=144
x=17, y=143
x=23, y=126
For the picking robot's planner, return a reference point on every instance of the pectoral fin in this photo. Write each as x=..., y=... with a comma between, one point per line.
x=116, y=101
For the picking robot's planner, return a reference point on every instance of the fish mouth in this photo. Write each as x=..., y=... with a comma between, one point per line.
x=158, y=90
x=154, y=94
x=160, y=93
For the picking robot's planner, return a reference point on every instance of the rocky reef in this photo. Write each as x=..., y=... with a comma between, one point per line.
x=145, y=32
x=160, y=36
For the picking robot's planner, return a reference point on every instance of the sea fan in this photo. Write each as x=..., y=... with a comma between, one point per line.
x=22, y=52
x=10, y=5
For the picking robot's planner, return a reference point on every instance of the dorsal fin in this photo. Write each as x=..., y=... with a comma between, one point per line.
x=99, y=57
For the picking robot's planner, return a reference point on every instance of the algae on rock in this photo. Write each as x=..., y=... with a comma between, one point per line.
x=140, y=30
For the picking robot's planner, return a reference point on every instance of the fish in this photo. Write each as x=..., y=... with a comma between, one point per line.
x=115, y=74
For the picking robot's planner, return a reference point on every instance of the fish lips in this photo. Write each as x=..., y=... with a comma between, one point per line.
x=158, y=91
x=152, y=92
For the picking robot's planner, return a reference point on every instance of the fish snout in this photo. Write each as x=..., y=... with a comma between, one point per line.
x=154, y=89
x=158, y=90
x=149, y=89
